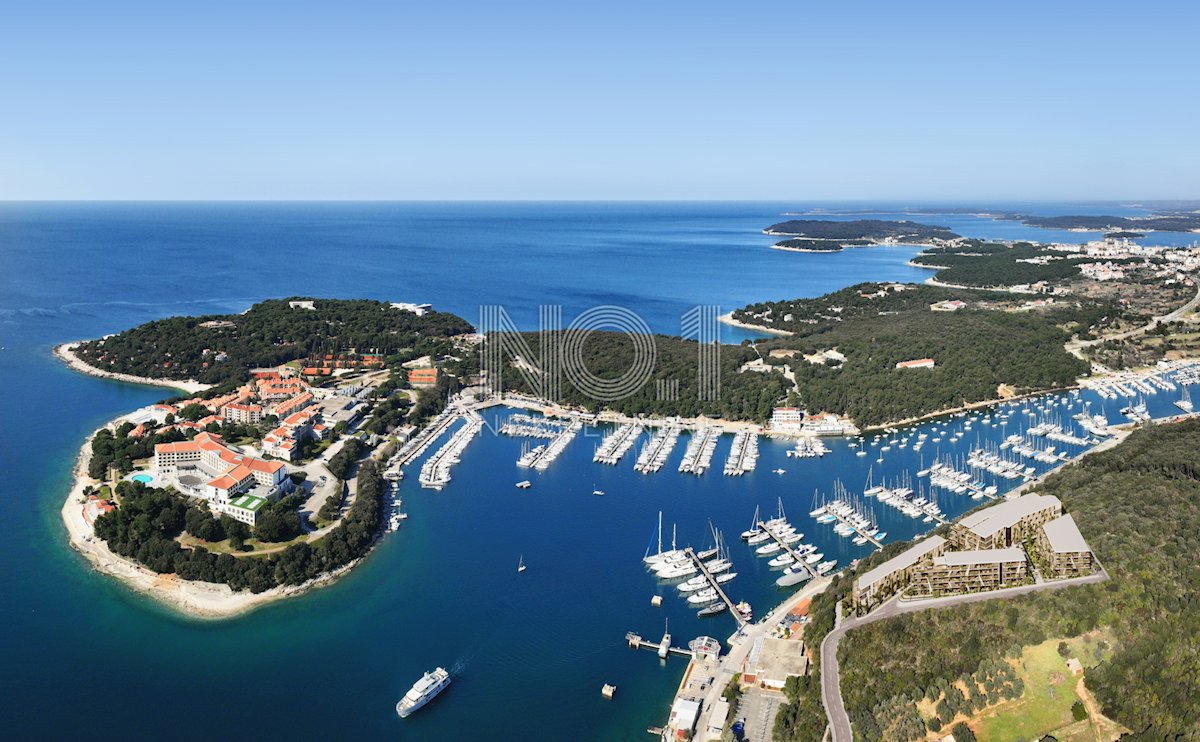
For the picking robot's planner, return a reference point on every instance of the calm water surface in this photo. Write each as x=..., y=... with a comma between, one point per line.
x=85, y=657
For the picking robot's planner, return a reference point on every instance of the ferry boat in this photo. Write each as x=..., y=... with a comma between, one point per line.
x=423, y=691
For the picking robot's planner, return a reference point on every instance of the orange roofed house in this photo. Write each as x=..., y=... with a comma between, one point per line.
x=207, y=468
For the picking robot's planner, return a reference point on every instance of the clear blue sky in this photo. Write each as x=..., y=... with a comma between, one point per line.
x=654, y=99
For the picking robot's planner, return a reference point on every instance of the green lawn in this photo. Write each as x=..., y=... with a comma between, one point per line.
x=1044, y=707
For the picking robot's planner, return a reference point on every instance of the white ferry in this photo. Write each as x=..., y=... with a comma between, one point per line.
x=423, y=691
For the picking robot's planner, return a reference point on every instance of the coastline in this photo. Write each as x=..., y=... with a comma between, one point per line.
x=64, y=353
x=194, y=599
x=801, y=249
x=729, y=320
x=971, y=406
x=911, y=264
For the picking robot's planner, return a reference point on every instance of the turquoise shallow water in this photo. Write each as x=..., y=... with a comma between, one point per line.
x=87, y=657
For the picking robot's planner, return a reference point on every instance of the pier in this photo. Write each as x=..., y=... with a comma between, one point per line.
x=796, y=558
x=658, y=450
x=712, y=582
x=663, y=648
x=615, y=445
x=700, y=451
x=418, y=445
x=743, y=455
x=844, y=521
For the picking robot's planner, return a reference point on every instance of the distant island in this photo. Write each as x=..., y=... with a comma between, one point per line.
x=1124, y=236
x=820, y=235
x=807, y=245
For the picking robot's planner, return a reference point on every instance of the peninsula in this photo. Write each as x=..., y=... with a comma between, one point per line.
x=819, y=235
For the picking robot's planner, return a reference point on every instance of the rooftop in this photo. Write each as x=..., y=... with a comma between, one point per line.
x=1064, y=535
x=989, y=520
x=902, y=561
x=980, y=556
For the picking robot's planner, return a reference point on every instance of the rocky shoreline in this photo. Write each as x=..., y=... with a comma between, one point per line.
x=729, y=320
x=65, y=353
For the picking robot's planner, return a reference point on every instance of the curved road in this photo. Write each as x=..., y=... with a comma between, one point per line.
x=1154, y=322
x=831, y=682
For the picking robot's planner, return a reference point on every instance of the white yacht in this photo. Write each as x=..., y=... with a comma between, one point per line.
x=423, y=691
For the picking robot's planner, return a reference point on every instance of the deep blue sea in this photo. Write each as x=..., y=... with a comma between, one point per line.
x=86, y=657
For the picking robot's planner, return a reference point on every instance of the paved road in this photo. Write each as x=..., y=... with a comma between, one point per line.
x=1145, y=328
x=831, y=682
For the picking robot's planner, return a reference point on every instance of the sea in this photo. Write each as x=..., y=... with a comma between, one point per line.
x=87, y=657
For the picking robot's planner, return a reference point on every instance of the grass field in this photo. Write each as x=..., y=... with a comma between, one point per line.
x=1050, y=691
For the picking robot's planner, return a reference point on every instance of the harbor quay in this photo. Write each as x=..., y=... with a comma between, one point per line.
x=697, y=707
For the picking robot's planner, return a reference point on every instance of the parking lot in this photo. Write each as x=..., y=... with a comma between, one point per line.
x=759, y=707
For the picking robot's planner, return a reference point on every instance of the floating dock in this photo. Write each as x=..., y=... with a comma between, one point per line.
x=796, y=558
x=712, y=582
x=873, y=541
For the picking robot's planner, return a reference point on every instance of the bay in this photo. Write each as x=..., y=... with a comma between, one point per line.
x=87, y=657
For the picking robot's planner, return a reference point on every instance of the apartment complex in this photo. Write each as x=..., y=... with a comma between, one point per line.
x=1063, y=550
x=958, y=572
x=983, y=552
x=243, y=414
x=1004, y=525
x=895, y=574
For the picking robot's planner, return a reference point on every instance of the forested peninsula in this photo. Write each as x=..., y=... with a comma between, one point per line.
x=872, y=230
x=221, y=349
x=977, y=349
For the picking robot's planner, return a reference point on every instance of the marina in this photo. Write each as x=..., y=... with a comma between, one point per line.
x=656, y=452
x=617, y=443
x=435, y=472
x=700, y=449
x=743, y=453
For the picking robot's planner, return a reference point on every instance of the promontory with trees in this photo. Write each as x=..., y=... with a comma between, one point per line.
x=980, y=351
x=219, y=349
x=822, y=235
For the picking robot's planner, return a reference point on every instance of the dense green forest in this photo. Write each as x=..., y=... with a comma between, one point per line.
x=822, y=245
x=1138, y=506
x=1124, y=236
x=609, y=355
x=145, y=526
x=975, y=350
x=861, y=229
x=1178, y=223
x=999, y=267
x=268, y=334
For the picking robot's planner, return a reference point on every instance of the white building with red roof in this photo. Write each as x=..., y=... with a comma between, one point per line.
x=205, y=467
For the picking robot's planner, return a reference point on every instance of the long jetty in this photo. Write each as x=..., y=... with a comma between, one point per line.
x=796, y=558
x=874, y=541
x=422, y=441
x=712, y=581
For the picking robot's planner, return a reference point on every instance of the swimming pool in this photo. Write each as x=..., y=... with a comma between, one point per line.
x=143, y=478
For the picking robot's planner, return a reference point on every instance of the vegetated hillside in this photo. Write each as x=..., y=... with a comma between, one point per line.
x=1138, y=506
x=861, y=229
x=975, y=350
x=610, y=355
x=1000, y=267
x=268, y=334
